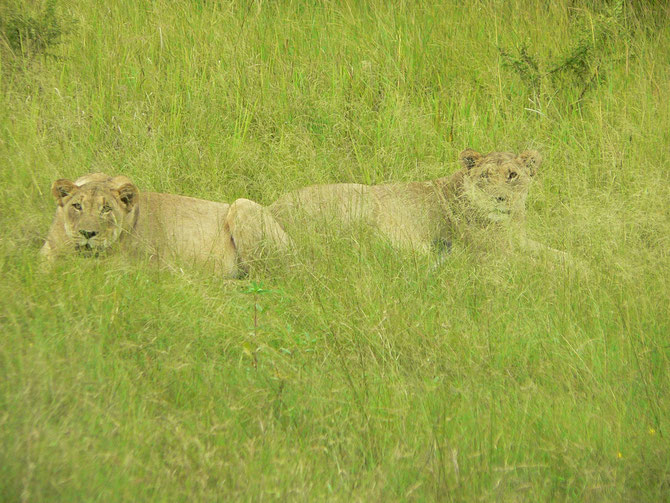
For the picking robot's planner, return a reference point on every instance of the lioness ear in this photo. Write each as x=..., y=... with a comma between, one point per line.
x=531, y=159
x=61, y=189
x=469, y=158
x=128, y=194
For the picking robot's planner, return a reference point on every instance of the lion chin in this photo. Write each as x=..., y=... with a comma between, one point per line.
x=499, y=215
x=86, y=250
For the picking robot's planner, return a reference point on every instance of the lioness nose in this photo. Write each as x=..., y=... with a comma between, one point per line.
x=501, y=199
x=88, y=234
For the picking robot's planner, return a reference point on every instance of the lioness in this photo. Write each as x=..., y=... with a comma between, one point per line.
x=483, y=202
x=98, y=213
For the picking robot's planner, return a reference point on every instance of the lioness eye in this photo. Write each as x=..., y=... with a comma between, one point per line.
x=512, y=175
x=77, y=206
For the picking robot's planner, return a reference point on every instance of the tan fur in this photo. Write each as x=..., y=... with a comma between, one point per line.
x=483, y=203
x=101, y=214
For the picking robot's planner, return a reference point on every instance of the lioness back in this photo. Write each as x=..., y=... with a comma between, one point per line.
x=346, y=200
x=181, y=227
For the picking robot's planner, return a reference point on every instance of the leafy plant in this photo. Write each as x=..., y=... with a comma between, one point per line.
x=256, y=289
x=577, y=67
x=30, y=32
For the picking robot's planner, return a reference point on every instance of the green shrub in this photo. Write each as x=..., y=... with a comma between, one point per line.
x=576, y=70
x=32, y=30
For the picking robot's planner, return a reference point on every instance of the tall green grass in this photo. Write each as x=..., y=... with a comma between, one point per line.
x=356, y=372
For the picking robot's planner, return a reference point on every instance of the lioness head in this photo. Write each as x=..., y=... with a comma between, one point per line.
x=496, y=185
x=95, y=209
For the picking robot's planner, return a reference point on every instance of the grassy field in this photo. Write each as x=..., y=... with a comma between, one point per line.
x=355, y=373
